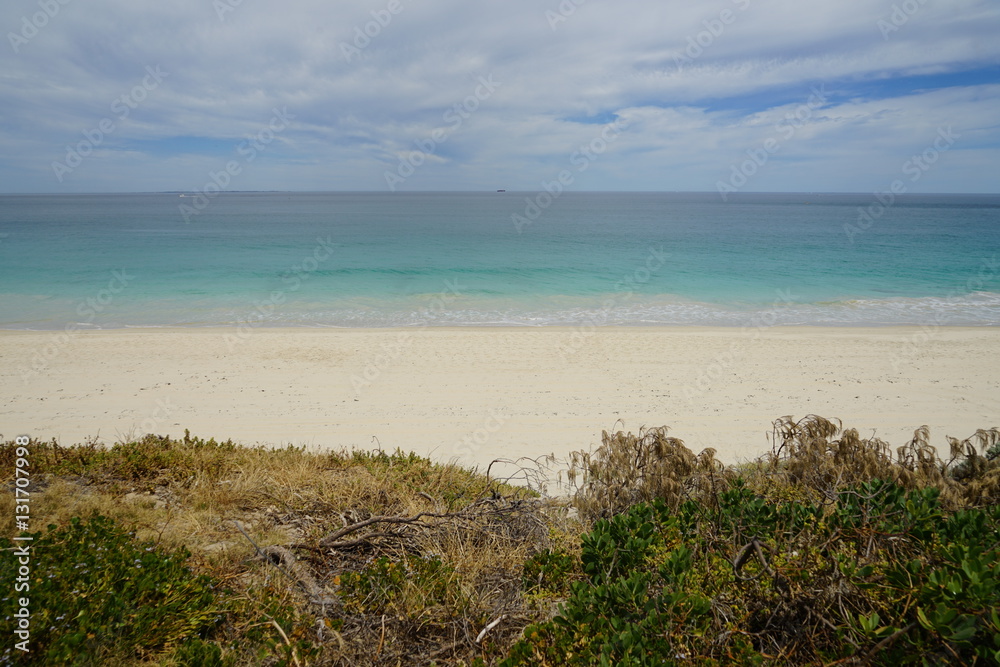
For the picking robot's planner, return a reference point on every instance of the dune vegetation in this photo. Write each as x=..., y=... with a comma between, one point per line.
x=830, y=549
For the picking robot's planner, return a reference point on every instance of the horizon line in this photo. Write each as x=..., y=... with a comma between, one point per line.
x=501, y=191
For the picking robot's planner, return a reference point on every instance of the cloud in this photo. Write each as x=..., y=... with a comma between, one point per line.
x=369, y=83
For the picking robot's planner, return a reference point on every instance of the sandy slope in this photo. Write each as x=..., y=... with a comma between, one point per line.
x=481, y=393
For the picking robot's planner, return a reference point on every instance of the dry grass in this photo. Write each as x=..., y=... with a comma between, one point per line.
x=314, y=521
x=821, y=455
x=628, y=469
x=198, y=494
x=810, y=457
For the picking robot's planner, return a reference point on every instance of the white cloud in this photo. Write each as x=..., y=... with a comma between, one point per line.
x=689, y=119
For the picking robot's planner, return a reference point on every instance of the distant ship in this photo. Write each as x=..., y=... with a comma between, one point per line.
x=501, y=191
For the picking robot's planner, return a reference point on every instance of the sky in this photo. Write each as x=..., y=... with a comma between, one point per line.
x=431, y=95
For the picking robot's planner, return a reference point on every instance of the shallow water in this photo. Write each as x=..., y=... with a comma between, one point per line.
x=379, y=260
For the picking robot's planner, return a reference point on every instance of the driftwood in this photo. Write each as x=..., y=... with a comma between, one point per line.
x=286, y=563
x=286, y=559
x=477, y=516
x=491, y=519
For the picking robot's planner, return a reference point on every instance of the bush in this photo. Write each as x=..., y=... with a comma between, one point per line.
x=98, y=595
x=884, y=575
x=404, y=586
x=628, y=469
x=550, y=571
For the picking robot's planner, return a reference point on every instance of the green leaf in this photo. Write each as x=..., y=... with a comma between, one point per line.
x=869, y=623
x=963, y=628
x=971, y=571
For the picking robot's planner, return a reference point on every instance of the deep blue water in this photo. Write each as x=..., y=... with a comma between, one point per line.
x=377, y=259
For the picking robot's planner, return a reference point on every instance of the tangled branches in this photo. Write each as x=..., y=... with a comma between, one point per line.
x=397, y=599
x=628, y=469
x=822, y=456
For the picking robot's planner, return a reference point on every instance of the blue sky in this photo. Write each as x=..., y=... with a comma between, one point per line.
x=762, y=95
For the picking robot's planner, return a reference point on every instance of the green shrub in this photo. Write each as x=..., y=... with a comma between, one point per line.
x=550, y=571
x=401, y=586
x=622, y=614
x=199, y=653
x=883, y=575
x=97, y=594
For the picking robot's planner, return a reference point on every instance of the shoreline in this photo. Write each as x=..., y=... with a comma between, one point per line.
x=217, y=328
x=473, y=394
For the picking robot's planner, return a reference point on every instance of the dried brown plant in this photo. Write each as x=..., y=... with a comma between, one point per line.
x=628, y=468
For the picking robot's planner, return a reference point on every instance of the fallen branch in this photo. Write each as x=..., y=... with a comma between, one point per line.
x=332, y=538
x=886, y=642
x=286, y=563
x=489, y=627
x=447, y=648
x=751, y=549
x=482, y=509
x=288, y=643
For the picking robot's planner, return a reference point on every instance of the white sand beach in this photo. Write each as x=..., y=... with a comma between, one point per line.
x=478, y=394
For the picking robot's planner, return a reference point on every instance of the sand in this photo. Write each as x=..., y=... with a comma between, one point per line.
x=478, y=394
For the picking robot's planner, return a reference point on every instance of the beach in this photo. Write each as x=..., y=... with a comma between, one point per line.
x=475, y=394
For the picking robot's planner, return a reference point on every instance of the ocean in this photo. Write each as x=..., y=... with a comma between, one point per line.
x=497, y=258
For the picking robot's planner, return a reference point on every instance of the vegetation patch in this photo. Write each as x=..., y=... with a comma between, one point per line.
x=880, y=576
x=102, y=596
x=830, y=549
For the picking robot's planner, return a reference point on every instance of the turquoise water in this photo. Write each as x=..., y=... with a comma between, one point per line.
x=378, y=259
